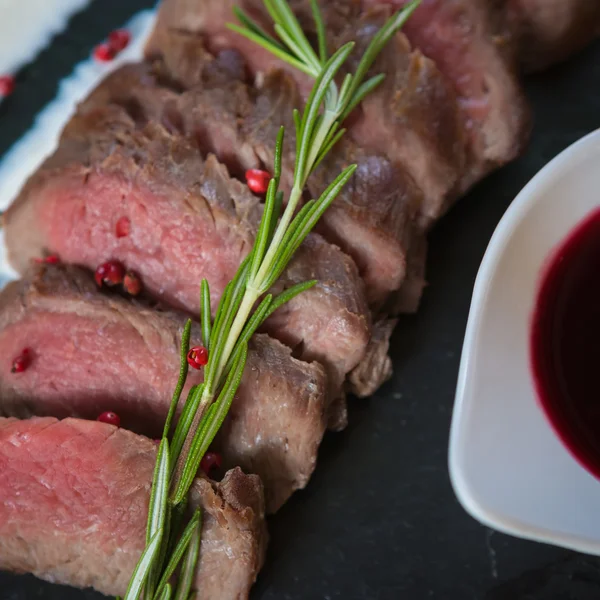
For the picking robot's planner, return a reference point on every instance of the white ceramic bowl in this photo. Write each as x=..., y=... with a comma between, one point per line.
x=508, y=467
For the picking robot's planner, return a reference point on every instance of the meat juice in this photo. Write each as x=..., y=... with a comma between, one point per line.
x=565, y=342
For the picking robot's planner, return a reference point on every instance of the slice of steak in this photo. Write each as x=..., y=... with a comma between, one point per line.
x=372, y=219
x=470, y=42
x=550, y=31
x=123, y=356
x=189, y=220
x=74, y=501
x=413, y=118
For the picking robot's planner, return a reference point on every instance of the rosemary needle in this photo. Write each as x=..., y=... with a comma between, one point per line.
x=279, y=235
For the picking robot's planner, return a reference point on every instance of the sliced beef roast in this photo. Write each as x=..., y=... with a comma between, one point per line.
x=74, y=501
x=413, y=118
x=551, y=30
x=470, y=42
x=124, y=357
x=188, y=220
x=373, y=217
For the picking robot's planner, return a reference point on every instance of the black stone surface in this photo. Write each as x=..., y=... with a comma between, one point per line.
x=379, y=519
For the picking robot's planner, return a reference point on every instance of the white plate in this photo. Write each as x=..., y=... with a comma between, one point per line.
x=508, y=467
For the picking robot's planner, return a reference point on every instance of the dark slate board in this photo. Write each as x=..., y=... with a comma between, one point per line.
x=379, y=519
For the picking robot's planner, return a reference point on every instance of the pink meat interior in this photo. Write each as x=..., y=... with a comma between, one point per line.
x=172, y=249
x=84, y=366
x=70, y=477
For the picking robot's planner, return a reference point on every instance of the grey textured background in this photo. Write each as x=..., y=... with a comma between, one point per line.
x=379, y=519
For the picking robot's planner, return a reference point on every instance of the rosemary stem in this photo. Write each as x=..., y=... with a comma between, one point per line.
x=205, y=402
x=329, y=118
x=281, y=230
x=208, y=396
x=251, y=295
x=248, y=301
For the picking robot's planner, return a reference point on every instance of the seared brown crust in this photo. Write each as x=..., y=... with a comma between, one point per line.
x=374, y=215
x=471, y=44
x=408, y=297
x=237, y=506
x=549, y=31
x=412, y=118
x=104, y=143
x=275, y=424
x=376, y=368
x=83, y=522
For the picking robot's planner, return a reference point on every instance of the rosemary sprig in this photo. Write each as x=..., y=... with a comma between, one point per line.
x=246, y=301
x=294, y=48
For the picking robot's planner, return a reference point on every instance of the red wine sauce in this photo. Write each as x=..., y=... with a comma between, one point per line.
x=565, y=342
